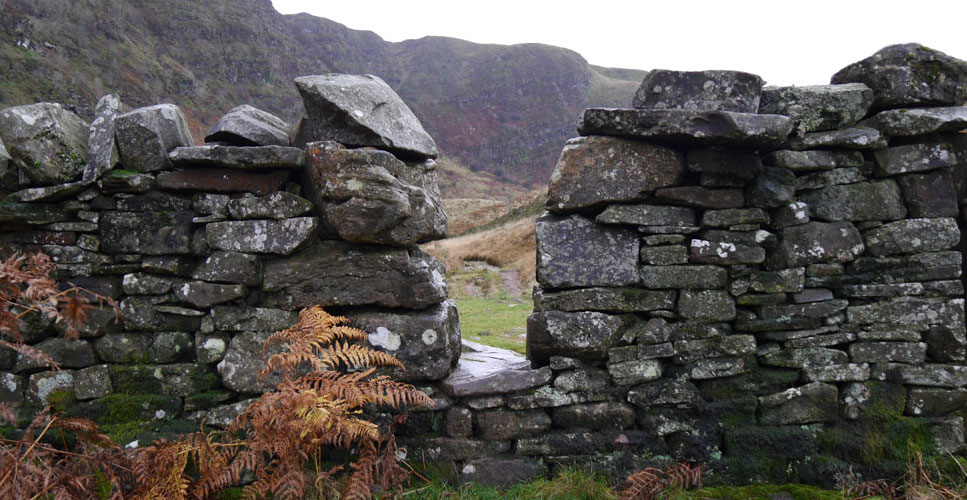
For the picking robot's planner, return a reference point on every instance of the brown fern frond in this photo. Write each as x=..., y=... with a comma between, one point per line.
x=356, y=356
x=648, y=483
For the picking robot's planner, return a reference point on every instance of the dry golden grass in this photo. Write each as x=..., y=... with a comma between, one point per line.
x=465, y=214
x=510, y=246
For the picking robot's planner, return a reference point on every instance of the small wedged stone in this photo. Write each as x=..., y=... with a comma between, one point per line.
x=910, y=311
x=45, y=141
x=574, y=380
x=811, y=403
x=664, y=392
x=594, y=416
x=619, y=300
x=634, y=371
x=688, y=127
x=724, y=253
x=862, y=201
x=819, y=107
x=930, y=195
x=919, y=121
x=369, y=196
x=689, y=351
x=809, y=310
x=332, y=273
x=665, y=255
x=858, y=138
x=280, y=205
x=249, y=126
x=913, y=236
x=818, y=242
x=793, y=214
x=713, y=368
x=647, y=215
x=834, y=177
x=934, y=402
x=809, y=357
x=244, y=158
x=499, y=425
x=586, y=335
x=359, y=110
x=699, y=197
x=706, y=305
x=229, y=267
x=808, y=161
x=146, y=135
x=223, y=180
x=915, y=158
x=102, y=149
x=850, y=372
x=282, y=237
x=124, y=182
x=203, y=295
x=773, y=188
x=699, y=90
x=47, y=193
x=909, y=75
x=734, y=216
x=574, y=252
x=888, y=352
x=147, y=284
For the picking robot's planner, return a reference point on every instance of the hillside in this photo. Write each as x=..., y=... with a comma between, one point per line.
x=503, y=110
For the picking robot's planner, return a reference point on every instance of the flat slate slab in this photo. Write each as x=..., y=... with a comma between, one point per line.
x=689, y=127
x=238, y=157
x=484, y=369
x=919, y=121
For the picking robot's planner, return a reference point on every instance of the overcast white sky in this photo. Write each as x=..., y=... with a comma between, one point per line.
x=802, y=42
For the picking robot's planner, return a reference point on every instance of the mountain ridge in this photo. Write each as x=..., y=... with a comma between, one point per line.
x=501, y=109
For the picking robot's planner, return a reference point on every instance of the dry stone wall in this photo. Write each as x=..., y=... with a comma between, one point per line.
x=209, y=249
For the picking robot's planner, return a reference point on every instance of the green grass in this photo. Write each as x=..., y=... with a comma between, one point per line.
x=492, y=315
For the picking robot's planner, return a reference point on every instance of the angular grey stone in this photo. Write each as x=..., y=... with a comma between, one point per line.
x=577, y=334
x=260, y=157
x=332, y=273
x=172, y=347
x=930, y=195
x=116, y=181
x=178, y=379
x=688, y=351
x=723, y=164
x=203, y=295
x=584, y=379
x=44, y=384
x=427, y=341
x=706, y=305
x=500, y=472
x=229, y=267
x=634, y=170
x=665, y=255
x=249, y=126
x=811, y=403
x=913, y=236
x=820, y=242
x=946, y=343
x=210, y=203
x=734, y=216
x=763, y=299
x=280, y=205
x=687, y=127
x=774, y=188
x=919, y=121
x=699, y=197
x=699, y=90
x=859, y=138
x=550, y=397
x=244, y=360
x=210, y=348
x=281, y=237
x=458, y=423
x=810, y=310
x=146, y=135
x=667, y=229
x=837, y=373
x=594, y=416
x=834, y=177
x=102, y=150
x=91, y=383
x=498, y=425
x=932, y=402
x=647, y=215
x=147, y=284
x=47, y=193
x=812, y=295
x=712, y=368
x=810, y=357
x=724, y=253
x=683, y=277
x=635, y=371
x=621, y=300
x=793, y=214
x=909, y=75
x=240, y=319
x=66, y=353
x=359, y=110
x=129, y=348
x=664, y=392
x=369, y=196
x=819, y=107
x=149, y=233
x=862, y=201
x=12, y=390
x=915, y=158
x=951, y=376
x=808, y=161
x=47, y=142
x=574, y=252
x=910, y=311
x=888, y=352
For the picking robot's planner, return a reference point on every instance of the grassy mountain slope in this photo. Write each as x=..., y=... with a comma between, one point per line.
x=503, y=110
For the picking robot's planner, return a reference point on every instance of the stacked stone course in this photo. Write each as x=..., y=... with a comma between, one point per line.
x=209, y=249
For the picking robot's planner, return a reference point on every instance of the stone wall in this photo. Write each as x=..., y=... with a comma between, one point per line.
x=209, y=249
x=766, y=281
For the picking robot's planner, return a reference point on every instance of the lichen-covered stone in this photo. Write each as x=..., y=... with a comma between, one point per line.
x=664, y=392
x=859, y=138
x=229, y=267
x=819, y=107
x=793, y=214
x=684, y=277
x=581, y=379
x=594, y=416
x=574, y=252
x=915, y=158
x=811, y=403
x=930, y=195
x=427, y=342
x=498, y=425
x=281, y=237
x=224, y=180
x=331, y=273
x=243, y=361
x=820, y=242
x=146, y=135
x=124, y=347
x=688, y=127
x=724, y=253
x=909, y=75
x=934, y=402
x=12, y=389
x=66, y=353
x=203, y=295
x=574, y=334
x=946, y=343
x=699, y=197
x=808, y=161
x=619, y=300
x=369, y=196
x=150, y=233
x=706, y=305
x=280, y=205
x=249, y=126
x=359, y=110
x=634, y=371
x=862, y=201
x=500, y=472
x=647, y=215
x=91, y=383
x=699, y=90
x=888, y=352
x=241, y=319
x=850, y=372
x=734, y=216
x=913, y=236
x=41, y=386
x=102, y=150
x=47, y=142
x=809, y=357
x=910, y=311
x=773, y=188
x=932, y=375
x=235, y=157
x=665, y=255
x=919, y=121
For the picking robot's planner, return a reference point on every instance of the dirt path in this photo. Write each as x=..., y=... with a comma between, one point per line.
x=511, y=280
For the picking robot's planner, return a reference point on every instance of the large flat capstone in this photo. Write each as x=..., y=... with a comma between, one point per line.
x=47, y=142
x=699, y=90
x=249, y=126
x=819, y=107
x=146, y=135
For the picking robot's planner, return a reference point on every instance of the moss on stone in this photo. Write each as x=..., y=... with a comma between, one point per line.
x=61, y=400
x=766, y=492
